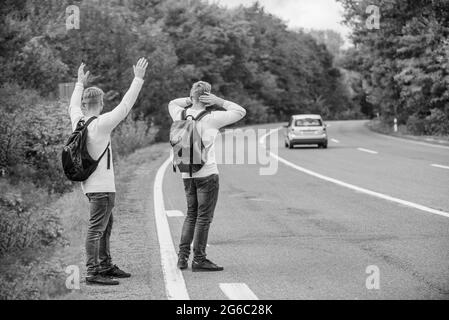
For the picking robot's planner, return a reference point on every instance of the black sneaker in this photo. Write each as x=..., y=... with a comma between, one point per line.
x=205, y=265
x=182, y=263
x=101, y=280
x=114, y=272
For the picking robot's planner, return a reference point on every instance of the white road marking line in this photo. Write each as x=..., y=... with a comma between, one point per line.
x=439, y=166
x=432, y=145
x=356, y=188
x=436, y=140
x=174, y=281
x=367, y=150
x=174, y=213
x=237, y=291
x=270, y=132
x=259, y=199
x=335, y=140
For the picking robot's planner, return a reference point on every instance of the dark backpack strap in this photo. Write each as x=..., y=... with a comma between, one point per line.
x=107, y=148
x=109, y=156
x=89, y=121
x=184, y=111
x=198, y=117
x=201, y=115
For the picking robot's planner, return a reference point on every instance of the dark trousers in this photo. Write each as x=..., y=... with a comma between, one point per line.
x=99, y=231
x=202, y=195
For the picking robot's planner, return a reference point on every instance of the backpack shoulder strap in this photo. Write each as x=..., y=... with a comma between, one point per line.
x=89, y=121
x=109, y=155
x=184, y=111
x=107, y=148
x=201, y=115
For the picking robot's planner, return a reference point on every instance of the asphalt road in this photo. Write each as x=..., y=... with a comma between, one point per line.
x=292, y=235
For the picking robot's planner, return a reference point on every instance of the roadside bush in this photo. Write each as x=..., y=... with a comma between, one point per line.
x=26, y=222
x=30, y=229
x=15, y=98
x=31, y=280
x=32, y=133
x=437, y=123
x=416, y=125
x=349, y=114
x=14, y=101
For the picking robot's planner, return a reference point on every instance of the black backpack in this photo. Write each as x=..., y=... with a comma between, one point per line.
x=189, y=153
x=77, y=164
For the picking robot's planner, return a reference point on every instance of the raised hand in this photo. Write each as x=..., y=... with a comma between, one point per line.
x=83, y=77
x=210, y=99
x=140, y=68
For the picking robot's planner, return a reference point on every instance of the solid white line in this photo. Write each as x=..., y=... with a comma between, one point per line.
x=270, y=132
x=237, y=291
x=174, y=281
x=335, y=140
x=356, y=188
x=435, y=140
x=174, y=213
x=259, y=200
x=439, y=166
x=432, y=145
x=367, y=150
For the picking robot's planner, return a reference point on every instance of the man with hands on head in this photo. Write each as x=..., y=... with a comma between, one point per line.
x=201, y=188
x=86, y=105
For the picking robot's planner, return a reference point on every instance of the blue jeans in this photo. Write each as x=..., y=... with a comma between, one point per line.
x=99, y=231
x=202, y=195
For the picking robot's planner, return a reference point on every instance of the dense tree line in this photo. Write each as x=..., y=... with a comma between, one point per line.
x=405, y=63
x=247, y=54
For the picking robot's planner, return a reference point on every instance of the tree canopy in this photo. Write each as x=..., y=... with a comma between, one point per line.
x=247, y=54
x=404, y=63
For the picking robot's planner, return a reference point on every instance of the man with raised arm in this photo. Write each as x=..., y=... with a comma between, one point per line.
x=202, y=187
x=100, y=186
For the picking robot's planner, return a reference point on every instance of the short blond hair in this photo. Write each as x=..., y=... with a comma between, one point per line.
x=200, y=88
x=92, y=97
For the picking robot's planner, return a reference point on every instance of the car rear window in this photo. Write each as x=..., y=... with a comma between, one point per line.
x=307, y=122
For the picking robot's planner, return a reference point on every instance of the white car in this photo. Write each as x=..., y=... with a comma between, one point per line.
x=306, y=129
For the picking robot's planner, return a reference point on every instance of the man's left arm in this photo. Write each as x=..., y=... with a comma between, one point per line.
x=231, y=114
x=75, y=105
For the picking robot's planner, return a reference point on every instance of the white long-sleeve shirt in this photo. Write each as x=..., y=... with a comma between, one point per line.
x=208, y=128
x=99, y=135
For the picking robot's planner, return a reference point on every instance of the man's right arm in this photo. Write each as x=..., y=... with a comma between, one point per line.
x=108, y=121
x=176, y=106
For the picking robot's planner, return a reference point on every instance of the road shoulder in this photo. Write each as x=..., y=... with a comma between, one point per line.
x=434, y=140
x=134, y=244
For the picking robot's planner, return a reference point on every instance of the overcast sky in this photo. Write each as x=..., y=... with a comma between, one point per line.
x=308, y=14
